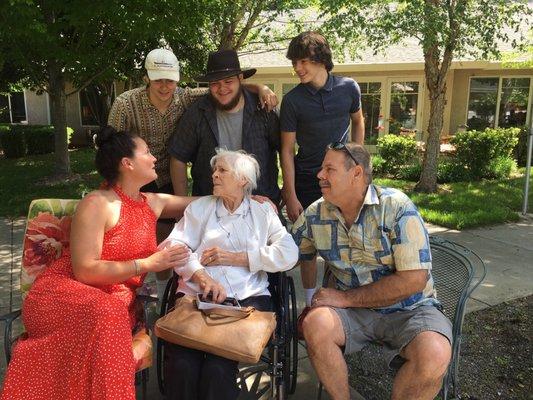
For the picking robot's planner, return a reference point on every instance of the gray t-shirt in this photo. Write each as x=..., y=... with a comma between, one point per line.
x=230, y=129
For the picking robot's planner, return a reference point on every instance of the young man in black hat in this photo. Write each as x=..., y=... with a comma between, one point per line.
x=230, y=117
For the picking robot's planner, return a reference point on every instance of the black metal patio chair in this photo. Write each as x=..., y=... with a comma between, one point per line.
x=58, y=209
x=457, y=271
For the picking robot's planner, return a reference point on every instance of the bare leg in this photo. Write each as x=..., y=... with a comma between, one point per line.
x=420, y=377
x=308, y=271
x=324, y=335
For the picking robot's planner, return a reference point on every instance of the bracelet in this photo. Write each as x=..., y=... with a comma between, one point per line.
x=137, y=267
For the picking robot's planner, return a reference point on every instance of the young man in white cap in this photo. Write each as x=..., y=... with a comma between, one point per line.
x=153, y=112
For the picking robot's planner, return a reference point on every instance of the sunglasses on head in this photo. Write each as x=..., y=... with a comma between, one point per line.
x=342, y=146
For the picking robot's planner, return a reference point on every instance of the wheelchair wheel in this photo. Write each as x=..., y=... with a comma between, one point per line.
x=169, y=291
x=290, y=358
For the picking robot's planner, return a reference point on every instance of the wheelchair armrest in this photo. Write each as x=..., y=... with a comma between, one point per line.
x=146, y=300
x=8, y=319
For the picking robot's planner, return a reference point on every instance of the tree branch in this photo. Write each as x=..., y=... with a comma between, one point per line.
x=99, y=73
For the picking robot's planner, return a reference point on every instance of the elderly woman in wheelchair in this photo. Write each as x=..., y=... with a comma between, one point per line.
x=234, y=242
x=80, y=313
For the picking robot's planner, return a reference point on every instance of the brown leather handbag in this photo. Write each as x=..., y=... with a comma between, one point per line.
x=239, y=334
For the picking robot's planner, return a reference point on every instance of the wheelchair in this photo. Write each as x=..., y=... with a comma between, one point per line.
x=280, y=357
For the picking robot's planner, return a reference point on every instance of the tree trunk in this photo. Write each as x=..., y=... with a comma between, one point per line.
x=58, y=114
x=428, y=178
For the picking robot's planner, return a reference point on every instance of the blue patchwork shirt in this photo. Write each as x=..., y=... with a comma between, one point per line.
x=387, y=236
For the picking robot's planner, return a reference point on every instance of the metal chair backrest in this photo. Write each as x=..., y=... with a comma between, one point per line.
x=452, y=273
x=456, y=271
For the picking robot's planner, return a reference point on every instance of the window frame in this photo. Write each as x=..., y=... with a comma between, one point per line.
x=10, y=108
x=382, y=80
x=499, y=96
x=419, y=102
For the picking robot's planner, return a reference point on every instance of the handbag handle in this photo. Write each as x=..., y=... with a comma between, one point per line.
x=239, y=313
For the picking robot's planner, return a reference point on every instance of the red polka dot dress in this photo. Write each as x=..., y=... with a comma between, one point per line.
x=79, y=337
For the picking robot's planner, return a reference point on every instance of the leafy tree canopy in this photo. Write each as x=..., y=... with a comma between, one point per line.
x=468, y=27
x=445, y=29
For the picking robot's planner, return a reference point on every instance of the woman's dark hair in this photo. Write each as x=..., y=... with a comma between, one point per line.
x=111, y=147
x=310, y=45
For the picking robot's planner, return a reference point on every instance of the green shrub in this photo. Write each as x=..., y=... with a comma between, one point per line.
x=39, y=138
x=30, y=139
x=13, y=144
x=501, y=168
x=476, y=150
x=520, y=150
x=452, y=171
x=3, y=128
x=396, y=152
x=377, y=165
x=410, y=172
x=447, y=171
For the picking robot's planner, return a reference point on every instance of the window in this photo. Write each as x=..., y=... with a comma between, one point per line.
x=513, y=102
x=403, y=106
x=287, y=87
x=370, y=104
x=482, y=103
x=93, y=103
x=12, y=108
x=512, y=95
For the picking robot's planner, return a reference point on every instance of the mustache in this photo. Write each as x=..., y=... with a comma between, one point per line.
x=324, y=184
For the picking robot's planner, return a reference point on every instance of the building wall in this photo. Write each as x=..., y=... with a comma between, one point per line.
x=455, y=112
x=38, y=112
x=36, y=108
x=458, y=85
x=383, y=74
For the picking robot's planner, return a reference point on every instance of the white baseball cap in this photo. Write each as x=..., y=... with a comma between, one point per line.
x=162, y=64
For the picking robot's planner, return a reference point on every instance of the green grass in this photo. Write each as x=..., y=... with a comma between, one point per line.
x=24, y=179
x=456, y=205
x=468, y=204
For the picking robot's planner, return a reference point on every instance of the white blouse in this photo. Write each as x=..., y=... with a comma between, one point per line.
x=253, y=228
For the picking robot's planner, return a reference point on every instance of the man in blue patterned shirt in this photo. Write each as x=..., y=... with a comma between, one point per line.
x=375, y=243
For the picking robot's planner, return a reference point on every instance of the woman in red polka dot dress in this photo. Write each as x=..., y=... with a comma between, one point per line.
x=79, y=313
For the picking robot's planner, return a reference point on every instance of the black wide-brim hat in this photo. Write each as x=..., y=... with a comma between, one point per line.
x=223, y=64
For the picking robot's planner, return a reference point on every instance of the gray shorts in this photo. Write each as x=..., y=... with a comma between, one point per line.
x=394, y=331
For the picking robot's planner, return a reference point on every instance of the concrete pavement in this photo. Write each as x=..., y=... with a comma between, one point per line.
x=506, y=249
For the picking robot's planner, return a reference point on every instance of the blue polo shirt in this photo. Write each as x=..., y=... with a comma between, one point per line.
x=319, y=117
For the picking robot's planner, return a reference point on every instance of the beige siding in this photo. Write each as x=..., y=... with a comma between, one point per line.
x=458, y=82
x=36, y=108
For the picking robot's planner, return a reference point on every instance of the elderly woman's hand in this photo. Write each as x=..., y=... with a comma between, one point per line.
x=209, y=285
x=213, y=256
x=168, y=257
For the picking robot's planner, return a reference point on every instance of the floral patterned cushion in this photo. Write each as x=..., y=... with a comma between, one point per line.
x=142, y=350
x=47, y=235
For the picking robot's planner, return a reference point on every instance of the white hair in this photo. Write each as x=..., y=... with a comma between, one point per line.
x=241, y=165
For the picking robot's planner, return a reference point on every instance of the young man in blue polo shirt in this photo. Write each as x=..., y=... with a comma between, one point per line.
x=315, y=113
